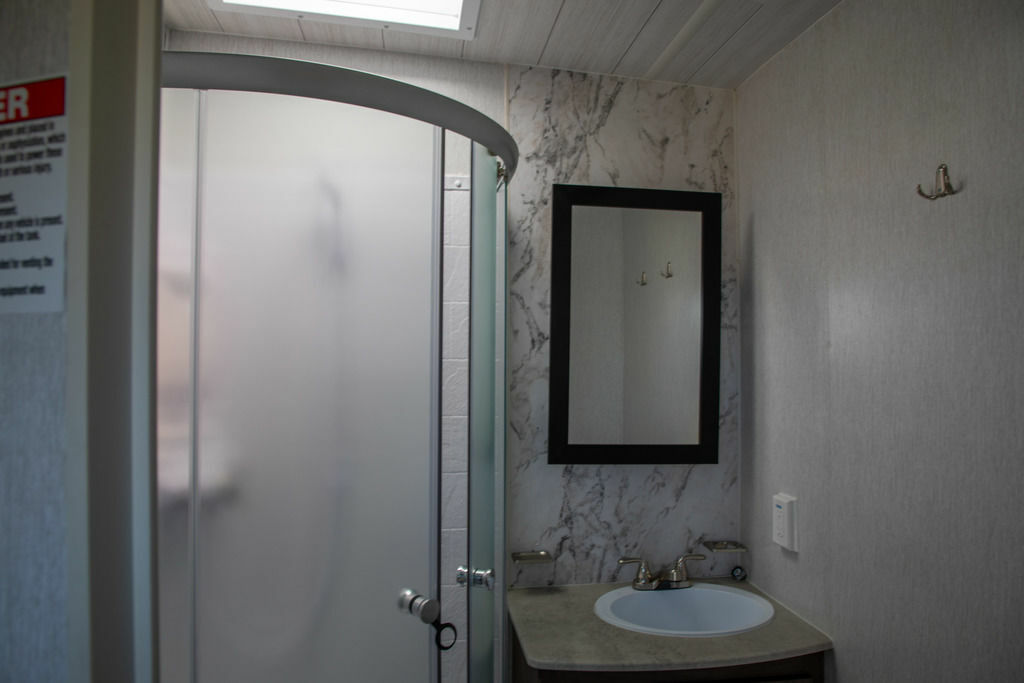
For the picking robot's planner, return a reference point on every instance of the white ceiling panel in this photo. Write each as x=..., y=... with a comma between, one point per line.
x=512, y=31
x=592, y=35
x=669, y=17
x=259, y=27
x=767, y=32
x=727, y=19
x=341, y=34
x=417, y=43
x=730, y=38
x=190, y=14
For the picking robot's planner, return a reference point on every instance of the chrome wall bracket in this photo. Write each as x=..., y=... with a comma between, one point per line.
x=943, y=187
x=532, y=557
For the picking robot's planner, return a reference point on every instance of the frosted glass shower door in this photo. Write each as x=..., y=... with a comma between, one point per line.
x=316, y=250
x=487, y=417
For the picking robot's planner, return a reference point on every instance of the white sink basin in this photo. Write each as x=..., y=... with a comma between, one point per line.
x=702, y=610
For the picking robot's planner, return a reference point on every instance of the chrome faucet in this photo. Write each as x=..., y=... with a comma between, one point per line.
x=677, y=576
x=643, y=581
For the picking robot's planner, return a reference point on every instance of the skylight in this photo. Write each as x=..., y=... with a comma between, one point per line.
x=451, y=18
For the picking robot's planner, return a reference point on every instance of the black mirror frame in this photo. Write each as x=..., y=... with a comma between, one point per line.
x=709, y=204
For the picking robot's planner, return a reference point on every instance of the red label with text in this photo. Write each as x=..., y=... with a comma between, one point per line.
x=38, y=100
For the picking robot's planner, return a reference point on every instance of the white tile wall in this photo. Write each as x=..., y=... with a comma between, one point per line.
x=454, y=443
x=454, y=487
x=454, y=387
x=453, y=662
x=455, y=421
x=456, y=330
x=456, y=203
x=456, y=270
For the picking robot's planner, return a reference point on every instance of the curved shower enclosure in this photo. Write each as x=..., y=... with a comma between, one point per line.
x=330, y=350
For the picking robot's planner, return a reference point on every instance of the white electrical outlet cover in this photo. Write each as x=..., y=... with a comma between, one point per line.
x=784, y=520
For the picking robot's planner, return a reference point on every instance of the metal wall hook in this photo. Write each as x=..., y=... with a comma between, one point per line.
x=943, y=187
x=643, y=279
x=667, y=273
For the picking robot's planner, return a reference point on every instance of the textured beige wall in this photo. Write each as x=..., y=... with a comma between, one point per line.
x=33, y=577
x=66, y=613
x=883, y=361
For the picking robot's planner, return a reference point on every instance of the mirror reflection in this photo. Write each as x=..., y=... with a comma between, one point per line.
x=634, y=325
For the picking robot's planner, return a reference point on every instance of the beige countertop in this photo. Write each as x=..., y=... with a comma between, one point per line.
x=558, y=630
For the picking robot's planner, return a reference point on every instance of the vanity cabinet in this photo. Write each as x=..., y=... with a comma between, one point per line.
x=556, y=638
x=804, y=669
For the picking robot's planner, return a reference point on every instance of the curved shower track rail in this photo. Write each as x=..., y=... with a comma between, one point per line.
x=222, y=71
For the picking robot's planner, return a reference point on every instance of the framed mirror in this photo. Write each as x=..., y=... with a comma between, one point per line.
x=635, y=309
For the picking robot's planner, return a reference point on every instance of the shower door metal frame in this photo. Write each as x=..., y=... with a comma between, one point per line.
x=223, y=71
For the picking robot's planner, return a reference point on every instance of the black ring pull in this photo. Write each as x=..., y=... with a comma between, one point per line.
x=439, y=628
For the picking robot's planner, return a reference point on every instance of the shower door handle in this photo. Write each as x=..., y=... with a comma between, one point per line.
x=427, y=609
x=429, y=612
x=475, y=577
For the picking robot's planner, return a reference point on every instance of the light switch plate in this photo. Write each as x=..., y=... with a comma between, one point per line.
x=784, y=520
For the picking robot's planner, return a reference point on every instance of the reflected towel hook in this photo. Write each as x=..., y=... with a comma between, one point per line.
x=943, y=187
x=643, y=279
x=667, y=273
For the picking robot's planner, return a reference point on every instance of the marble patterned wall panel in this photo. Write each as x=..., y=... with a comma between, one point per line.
x=599, y=130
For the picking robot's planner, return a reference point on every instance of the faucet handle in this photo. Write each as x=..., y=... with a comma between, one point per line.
x=681, y=560
x=677, y=576
x=642, y=569
x=643, y=579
